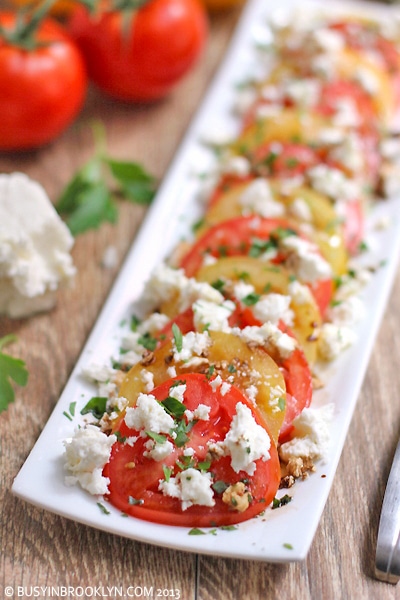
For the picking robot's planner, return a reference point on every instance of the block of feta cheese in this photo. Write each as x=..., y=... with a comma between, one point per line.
x=35, y=246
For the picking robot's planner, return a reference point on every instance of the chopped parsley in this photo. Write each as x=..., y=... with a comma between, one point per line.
x=11, y=369
x=96, y=406
x=178, y=338
x=87, y=201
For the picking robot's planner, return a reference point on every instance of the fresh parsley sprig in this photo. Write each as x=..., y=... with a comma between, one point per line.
x=89, y=199
x=11, y=369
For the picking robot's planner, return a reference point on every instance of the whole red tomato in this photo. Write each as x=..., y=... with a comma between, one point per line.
x=138, y=55
x=43, y=84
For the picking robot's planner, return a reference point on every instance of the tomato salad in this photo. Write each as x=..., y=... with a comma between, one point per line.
x=207, y=411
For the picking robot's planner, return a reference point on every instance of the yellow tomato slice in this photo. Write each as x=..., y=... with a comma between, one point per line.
x=263, y=275
x=232, y=359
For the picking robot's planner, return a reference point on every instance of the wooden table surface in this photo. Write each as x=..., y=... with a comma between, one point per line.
x=39, y=548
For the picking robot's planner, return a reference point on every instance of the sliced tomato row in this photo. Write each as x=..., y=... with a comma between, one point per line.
x=205, y=451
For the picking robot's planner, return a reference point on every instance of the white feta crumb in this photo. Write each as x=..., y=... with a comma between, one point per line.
x=300, y=293
x=216, y=383
x=148, y=379
x=148, y=415
x=157, y=450
x=347, y=312
x=258, y=198
x=178, y=392
x=86, y=453
x=305, y=260
x=171, y=372
x=97, y=372
x=333, y=183
x=193, y=343
x=190, y=487
x=300, y=210
x=246, y=441
x=270, y=336
x=201, y=412
x=334, y=339
x=212, y=316
x=166, y=283
x=242, y=289
x=312, y=435
x=35, y=247
x=274, y=308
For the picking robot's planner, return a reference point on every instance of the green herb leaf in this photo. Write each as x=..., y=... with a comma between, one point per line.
x=251, y=299
x=167, y=473
x=87, y=200
x=220, y=486
x=181, y=434
x=96, y=406
x=148, y=342
x=157, y=437
x=136, y=184
x=96, y=207
x=103, y=509
x=178, y=338
x=196, y=531
x=11, y=369
x=173, y=407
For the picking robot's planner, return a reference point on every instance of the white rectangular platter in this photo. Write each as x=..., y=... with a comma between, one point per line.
x=282, y=535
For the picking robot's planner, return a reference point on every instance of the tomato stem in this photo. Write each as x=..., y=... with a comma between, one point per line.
x=26, y=25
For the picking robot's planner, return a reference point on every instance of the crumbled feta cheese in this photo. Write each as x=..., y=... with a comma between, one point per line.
x=367, y=79
x=149, y=415
x=242, y=289
x=300, y=293
x=270, y=336
x=274, y=308
x=166, y=282
x=304, y=92
x=97, y=372
x=201, y=412
x=258, y=198
x=305, y=259
x=216, y=383
x=212, y=316
x=190, y=487
x=193, y=343
x=35, y=247
x=300, y=210
x=235, y=165
x=334, y=339
x=347, y=312
x=86, y=453
x=328, y=40
x=333, y=183
x=148, y=379
x=246, y=441
x=312, y=435
x=158, y=451
x=178, y=392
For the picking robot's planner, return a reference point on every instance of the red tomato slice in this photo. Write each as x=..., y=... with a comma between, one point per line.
x=353, y=226
x=236, y=237
x=134, y=477
x=233, y=237
x=285, y=159
x=295, y=368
